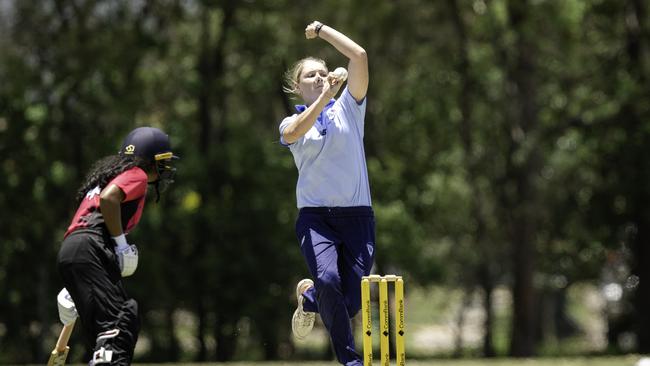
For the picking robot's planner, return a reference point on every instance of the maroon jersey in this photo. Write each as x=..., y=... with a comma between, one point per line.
x=133, y=183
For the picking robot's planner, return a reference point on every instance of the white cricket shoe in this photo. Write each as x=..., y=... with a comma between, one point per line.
x=302, y=322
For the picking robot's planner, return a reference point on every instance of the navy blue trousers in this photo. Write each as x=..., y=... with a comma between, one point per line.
x=338, y=245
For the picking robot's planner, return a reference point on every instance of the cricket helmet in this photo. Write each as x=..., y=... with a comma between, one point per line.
x=152, y=144
x=149, y=143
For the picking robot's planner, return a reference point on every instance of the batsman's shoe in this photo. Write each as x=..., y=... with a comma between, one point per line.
x=104, y=347
x=302, y=322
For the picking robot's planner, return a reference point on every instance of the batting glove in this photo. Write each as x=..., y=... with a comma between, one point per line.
x=67, y=310
x=128, y=259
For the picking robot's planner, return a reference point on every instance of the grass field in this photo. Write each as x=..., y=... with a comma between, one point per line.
x=433, y=331
x=629, y=360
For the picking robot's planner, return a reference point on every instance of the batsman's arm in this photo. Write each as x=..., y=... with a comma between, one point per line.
x=109, y=202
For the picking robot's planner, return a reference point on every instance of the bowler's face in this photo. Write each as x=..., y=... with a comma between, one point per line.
x=312, y=77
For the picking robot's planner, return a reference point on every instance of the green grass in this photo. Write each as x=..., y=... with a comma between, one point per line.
x=431, y=315
x=629, y=360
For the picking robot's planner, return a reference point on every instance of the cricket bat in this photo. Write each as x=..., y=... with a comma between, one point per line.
x=60, y=351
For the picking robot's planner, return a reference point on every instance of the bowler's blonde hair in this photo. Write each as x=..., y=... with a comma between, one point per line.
x=292, y=76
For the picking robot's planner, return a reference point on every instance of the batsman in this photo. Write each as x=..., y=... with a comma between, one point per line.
x=95, y=254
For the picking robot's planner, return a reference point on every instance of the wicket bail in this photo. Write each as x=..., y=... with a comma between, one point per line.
x=384, y=340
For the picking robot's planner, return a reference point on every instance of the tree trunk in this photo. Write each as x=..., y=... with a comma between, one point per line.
x=523, y=330
x=639, y=55
x=210, y=65
x=487, y=285
x=173, y=350
x=522, y=202
x=202, y=355
x=473, y=173
x=460, y=322
x=226, y=337
x=642, y=295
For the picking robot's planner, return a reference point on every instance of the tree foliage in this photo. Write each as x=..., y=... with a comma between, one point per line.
x=505, y=140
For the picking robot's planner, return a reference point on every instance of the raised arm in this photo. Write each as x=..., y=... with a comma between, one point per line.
x=357, y=67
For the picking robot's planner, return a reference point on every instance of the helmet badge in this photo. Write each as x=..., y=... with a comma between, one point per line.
x=129, y=149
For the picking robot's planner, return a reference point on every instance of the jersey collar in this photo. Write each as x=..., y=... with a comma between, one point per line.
x=301, y=107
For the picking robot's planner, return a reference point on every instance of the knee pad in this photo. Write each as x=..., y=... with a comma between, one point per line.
x=104, y=347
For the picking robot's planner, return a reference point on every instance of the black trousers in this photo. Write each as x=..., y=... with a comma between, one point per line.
x=88, y=266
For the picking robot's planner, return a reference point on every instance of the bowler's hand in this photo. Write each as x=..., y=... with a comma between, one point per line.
x=331, y=85
x=310, y=31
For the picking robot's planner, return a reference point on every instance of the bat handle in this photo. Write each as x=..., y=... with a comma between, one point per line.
x=64, y=337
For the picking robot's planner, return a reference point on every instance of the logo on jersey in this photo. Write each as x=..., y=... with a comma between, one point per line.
x=92, y=193
x=130, y=149
x=331, y=113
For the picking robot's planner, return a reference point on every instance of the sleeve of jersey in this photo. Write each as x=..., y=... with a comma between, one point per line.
x=132, y=182
x=285, y=122
x=353, y=110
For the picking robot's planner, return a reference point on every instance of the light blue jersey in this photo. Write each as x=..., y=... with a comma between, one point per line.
x=330, y=157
